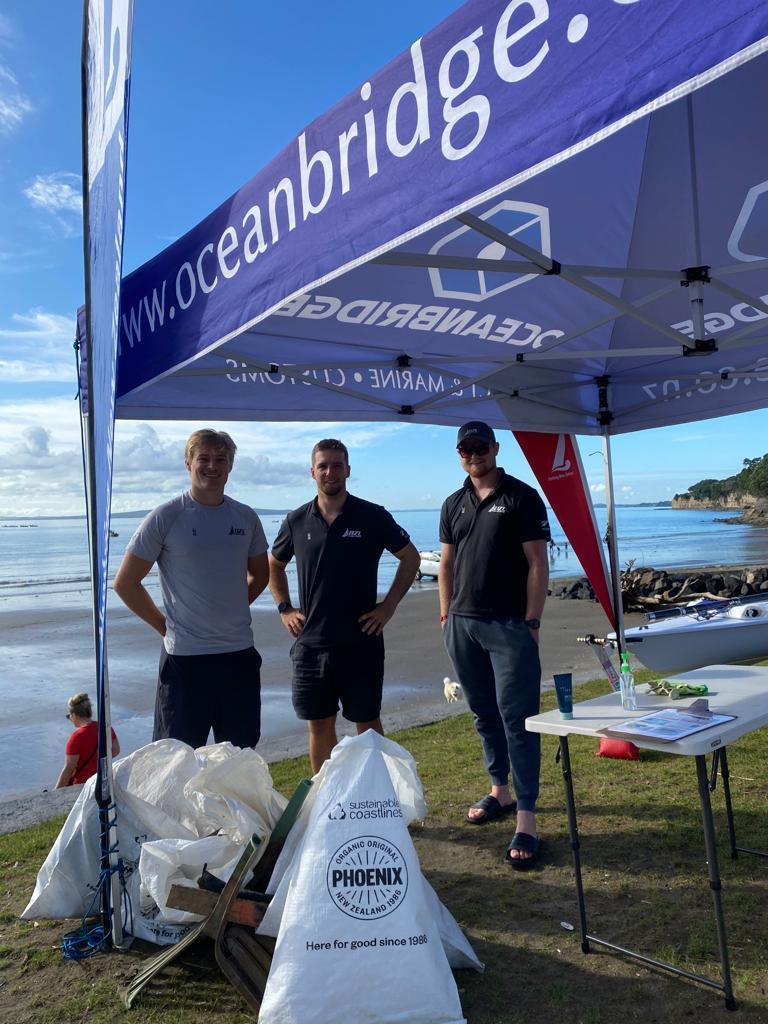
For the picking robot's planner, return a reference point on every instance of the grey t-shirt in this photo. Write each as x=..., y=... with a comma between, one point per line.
x=202, y=553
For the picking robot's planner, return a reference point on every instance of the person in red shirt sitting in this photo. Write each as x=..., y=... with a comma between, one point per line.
x=80, y=760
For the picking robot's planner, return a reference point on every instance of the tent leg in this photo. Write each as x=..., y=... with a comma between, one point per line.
x=696, y=286
x=613, y=542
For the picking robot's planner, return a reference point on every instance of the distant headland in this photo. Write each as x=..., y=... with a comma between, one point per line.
x=745, y=492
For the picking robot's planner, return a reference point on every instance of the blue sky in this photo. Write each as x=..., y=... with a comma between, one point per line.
x=217, y=90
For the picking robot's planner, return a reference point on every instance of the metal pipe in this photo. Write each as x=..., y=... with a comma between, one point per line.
x=613, y=543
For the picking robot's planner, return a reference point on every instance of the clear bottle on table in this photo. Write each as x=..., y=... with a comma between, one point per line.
x=627, y=685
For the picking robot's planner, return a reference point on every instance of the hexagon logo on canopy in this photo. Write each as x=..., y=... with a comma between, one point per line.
x=527, y=222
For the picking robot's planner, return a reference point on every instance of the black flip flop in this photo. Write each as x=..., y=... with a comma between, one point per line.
x=526, y=844
x=493, y=810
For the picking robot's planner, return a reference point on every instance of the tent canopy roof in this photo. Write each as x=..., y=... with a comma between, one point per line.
x=545, y=216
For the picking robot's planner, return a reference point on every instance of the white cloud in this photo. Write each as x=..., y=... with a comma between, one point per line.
x=37, y=346
x=627, y=490
x=597, y=488
x=41, y=456
x=14, y=105
x=60, y=196
x=37, y=441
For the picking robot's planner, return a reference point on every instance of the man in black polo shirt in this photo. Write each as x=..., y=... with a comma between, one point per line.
x=338, y=540
x=493, y=584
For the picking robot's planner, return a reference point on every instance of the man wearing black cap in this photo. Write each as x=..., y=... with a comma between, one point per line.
x=493, y=584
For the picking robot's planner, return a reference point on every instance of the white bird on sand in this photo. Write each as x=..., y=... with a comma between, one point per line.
x=452, y=691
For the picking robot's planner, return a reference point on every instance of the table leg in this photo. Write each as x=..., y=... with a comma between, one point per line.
x=587, y=940
x=714, y=876
x=721, y=761
x=726, y=775
x=570, y=803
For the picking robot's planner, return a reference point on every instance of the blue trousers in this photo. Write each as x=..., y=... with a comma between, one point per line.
x=498, y=666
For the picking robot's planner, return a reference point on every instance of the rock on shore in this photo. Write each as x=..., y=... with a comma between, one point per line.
x=645, y=588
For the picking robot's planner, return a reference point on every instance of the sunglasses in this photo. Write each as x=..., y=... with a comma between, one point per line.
x=476, y=449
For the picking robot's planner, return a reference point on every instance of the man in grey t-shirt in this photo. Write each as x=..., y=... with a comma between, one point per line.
x=211, y=556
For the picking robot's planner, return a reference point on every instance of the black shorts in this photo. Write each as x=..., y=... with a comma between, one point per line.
x=325, y=676
x=200, y=692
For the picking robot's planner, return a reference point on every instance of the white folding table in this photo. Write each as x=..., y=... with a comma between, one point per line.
x=738, y=690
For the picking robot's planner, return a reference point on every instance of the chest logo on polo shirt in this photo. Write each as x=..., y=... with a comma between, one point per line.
x=352, y=533
x=498, y=508
x=236, y=530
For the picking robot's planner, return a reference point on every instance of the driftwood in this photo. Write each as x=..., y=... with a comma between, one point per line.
x=657, y=602
x=645, y=588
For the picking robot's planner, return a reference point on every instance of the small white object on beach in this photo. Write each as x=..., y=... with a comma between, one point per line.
x=452, y=691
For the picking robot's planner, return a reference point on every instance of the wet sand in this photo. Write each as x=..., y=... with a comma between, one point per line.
x=47, y=655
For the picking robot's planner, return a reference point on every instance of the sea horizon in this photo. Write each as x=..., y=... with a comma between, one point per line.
x=49, y=563
x=140, y=513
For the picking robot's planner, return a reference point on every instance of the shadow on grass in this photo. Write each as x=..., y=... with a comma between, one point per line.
x=535, y=966
x=560, y=983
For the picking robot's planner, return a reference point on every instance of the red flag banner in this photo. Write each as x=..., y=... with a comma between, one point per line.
x=555, y=461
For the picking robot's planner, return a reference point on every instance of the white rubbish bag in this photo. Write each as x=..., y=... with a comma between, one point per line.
x=167, y=862
x=358, y=924
x=167, y=794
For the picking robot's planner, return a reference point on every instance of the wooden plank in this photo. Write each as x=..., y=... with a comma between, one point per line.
x=201, y=901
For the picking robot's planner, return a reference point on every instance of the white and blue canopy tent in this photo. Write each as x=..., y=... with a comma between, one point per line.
x=550, y=216
x=553, y=216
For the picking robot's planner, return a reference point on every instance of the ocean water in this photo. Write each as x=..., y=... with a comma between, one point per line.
x=45, y=561
x=46, y=643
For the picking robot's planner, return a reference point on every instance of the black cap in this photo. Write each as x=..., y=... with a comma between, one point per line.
x=478, y=429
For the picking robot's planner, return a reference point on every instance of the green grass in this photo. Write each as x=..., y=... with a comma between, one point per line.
x=644, y=875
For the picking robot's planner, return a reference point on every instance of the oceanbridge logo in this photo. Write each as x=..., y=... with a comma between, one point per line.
x=359, y=810
x=367, y=877
x=747, y=237
x=526, y=222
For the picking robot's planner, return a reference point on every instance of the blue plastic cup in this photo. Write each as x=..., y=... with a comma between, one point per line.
x=564, y=691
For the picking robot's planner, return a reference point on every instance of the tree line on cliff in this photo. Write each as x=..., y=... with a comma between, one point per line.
x=753, y=479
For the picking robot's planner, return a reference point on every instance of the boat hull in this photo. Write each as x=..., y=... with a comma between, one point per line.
x=429, y=565
x=678, y=645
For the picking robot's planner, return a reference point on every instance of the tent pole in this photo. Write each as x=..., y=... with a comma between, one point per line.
x=109, y=882
x=613, y=543
x=696, y=286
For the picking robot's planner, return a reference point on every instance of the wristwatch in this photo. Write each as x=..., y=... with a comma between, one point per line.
x=533, y=623
x=284, y=606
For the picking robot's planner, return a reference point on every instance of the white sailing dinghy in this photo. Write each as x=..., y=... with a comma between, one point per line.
x=430, y=564
x=706, y=633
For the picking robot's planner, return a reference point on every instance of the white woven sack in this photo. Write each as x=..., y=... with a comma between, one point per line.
x=357, y=908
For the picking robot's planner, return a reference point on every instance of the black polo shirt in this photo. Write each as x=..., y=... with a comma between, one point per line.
x=490, y=568
x=337, y=566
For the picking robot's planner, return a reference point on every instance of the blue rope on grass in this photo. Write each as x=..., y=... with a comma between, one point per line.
x=89, y=939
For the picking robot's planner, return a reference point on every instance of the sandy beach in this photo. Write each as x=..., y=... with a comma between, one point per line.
x=48, y=655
